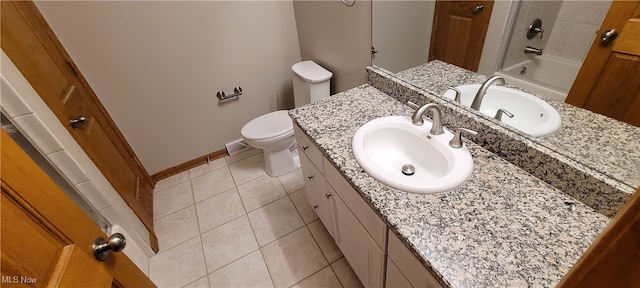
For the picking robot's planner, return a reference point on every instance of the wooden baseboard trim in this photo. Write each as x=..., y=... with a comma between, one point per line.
x=187, y=165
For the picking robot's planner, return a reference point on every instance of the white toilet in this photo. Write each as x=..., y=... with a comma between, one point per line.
x=273, y=132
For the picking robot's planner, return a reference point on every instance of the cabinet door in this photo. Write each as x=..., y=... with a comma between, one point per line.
x=395, y=279
x=360, y=250
x=409, y=266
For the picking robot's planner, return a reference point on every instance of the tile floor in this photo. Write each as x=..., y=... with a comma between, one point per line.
x=228, y=224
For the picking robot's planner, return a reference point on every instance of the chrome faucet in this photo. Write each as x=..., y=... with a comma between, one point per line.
x=416, y=119
x=533, y=50
x=483, y=89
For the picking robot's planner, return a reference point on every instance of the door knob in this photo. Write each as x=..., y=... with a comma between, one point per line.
x=101, y=246
x=78, y=122
x=608, y=36
x=478, y=9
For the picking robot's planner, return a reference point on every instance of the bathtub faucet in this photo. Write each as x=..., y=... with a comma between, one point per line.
x=533, y=50
x=483, y=90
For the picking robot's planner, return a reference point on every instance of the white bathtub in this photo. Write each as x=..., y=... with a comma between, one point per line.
x=546, y=75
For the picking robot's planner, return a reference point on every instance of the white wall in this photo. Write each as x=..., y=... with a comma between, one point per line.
x=336, y=37
x=156, y=67
x=406, y=22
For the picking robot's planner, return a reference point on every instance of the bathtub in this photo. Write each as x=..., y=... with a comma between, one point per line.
x=547, y=75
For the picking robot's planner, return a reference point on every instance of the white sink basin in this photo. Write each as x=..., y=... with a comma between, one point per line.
x=532, y=115
x=384, y=145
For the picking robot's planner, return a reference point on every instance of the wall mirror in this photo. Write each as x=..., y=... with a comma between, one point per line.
x=569, y=29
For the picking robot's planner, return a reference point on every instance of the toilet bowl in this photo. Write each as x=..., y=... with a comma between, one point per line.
x=273, y=132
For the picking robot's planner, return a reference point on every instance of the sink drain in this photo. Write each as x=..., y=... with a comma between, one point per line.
x=408, y=169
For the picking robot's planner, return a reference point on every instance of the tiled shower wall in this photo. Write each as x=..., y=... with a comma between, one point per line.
x=547, y=11
x=575, y=27
x=569, y=28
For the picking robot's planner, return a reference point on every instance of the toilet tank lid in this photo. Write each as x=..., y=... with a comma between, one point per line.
x=311, y=72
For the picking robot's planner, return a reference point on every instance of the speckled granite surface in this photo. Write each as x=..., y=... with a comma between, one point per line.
x=501, y=228
x=596, y=141
x=583, y=182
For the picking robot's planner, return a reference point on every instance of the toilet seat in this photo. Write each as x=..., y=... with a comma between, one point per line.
x=268, y=126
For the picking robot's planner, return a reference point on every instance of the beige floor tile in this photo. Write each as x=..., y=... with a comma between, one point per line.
x=293, y=258
x=179, y=265
x=228, y=243
x=292, y=181
x=247, y=169
x=176, y=227
x=299, y=199
x=172, y=199
x=327, y=244
x=200, y=283
x=345, y=274
x=207, y=167
x=171, y=181
x=261, y=191
x=219, y=209
x=244, y=155
x=212, y=183
x=248, y=271
x=324, y=278
x=274, y=220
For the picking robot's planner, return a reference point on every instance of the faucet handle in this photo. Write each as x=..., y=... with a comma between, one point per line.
x=458, y=93
x=456, y=142
x=413, y=105
x=500, y=112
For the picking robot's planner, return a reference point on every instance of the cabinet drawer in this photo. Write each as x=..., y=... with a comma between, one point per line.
x=313, y=179
x=410, y=267
x=306, y=146
x=367, y=217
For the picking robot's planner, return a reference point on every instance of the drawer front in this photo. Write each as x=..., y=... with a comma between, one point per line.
x=367, y=217
x=307, y=147
x=313, y=179
x=318, y=195
x=410, y=267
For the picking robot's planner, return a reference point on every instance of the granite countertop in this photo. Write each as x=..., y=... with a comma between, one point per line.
x=501, y=228
x=605, y=144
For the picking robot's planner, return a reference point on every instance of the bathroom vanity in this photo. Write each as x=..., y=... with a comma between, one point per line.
x=502, y=227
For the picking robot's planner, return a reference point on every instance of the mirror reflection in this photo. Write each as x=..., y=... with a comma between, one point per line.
x=539, y=46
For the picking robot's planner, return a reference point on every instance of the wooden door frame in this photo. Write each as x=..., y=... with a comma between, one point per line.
x=25, y=183
x=620, y=11
x=38, y=26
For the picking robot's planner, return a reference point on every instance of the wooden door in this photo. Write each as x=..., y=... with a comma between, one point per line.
x=46, y=238
x=609, y=80
x=34, y=48
x=459, y=29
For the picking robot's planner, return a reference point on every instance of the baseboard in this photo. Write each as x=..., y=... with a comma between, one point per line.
x=188, y=165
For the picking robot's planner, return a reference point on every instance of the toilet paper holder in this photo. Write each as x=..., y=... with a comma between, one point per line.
x=237, y=91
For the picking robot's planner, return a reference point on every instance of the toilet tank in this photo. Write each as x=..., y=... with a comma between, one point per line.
x=310, y=82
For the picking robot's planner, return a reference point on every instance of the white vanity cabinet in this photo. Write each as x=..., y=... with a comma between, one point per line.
x=358, y=231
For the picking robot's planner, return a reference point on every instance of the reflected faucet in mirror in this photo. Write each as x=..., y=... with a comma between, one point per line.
x=477, y=101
